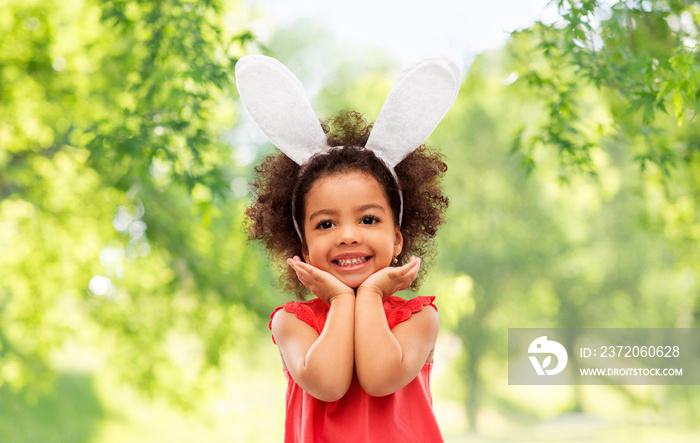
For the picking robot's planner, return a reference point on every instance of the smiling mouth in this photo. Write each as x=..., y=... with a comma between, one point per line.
x=351, y=261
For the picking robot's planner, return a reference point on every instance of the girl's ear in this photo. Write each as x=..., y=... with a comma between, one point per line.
x=305, y=252
x=398, y=242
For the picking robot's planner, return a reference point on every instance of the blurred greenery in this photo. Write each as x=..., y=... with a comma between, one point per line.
x=132, y=308
x=120, y=203
x=70, y=412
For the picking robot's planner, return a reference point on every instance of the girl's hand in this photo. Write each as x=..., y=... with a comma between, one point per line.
x=390, y=280
x=321, y=283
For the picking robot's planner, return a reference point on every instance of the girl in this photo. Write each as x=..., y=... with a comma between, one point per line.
x=347, y=214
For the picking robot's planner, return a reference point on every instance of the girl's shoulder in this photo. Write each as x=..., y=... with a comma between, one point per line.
x=312, y=312
x=398, y=310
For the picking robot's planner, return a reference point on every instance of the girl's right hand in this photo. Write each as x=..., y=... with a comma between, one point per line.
x=321, y=283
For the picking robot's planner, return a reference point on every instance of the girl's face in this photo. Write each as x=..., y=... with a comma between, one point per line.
x=349, y=227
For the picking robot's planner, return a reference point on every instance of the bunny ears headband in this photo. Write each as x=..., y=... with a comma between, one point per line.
x=275, y=98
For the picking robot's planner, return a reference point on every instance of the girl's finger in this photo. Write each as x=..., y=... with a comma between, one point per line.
x=307, y=267
x=414, y=263
x=293, y=262
x=303, y=272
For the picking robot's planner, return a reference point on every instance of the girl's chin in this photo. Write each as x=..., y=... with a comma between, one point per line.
x=353, y=281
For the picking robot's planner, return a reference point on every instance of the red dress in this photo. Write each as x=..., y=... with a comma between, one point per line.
x=404, y=416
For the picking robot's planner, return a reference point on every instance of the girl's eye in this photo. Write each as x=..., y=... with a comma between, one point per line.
x=325, y=224
x=369, y=220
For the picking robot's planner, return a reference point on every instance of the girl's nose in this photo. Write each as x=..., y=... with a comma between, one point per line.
x=348, y=234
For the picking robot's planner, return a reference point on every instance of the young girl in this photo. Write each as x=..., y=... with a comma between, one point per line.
x=347, y=220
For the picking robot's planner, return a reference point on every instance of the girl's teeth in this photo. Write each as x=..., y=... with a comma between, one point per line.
x=351, y=261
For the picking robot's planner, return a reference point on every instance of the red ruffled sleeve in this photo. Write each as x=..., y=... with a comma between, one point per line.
x=313, y=313
x=399, y=310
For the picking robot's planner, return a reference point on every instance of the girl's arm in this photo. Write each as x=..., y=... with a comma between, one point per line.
x=386, y=359
x=322, y=364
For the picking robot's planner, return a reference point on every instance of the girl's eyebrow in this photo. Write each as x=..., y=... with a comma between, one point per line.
x=322, y=212
x=362, y=208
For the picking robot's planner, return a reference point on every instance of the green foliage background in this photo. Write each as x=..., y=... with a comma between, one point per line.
x=127, y=288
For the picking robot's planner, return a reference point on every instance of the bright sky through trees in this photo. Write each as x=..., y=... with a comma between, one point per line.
x=407, y=29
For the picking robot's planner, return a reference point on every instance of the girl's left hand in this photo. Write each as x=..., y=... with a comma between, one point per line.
x=391, y=280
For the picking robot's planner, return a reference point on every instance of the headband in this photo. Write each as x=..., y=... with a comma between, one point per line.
x=422, y=94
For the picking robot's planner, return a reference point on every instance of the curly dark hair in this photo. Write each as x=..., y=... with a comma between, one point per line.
x=279, y=184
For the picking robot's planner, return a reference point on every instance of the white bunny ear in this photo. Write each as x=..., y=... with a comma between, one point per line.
x=276, y=100
x=420, y=98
